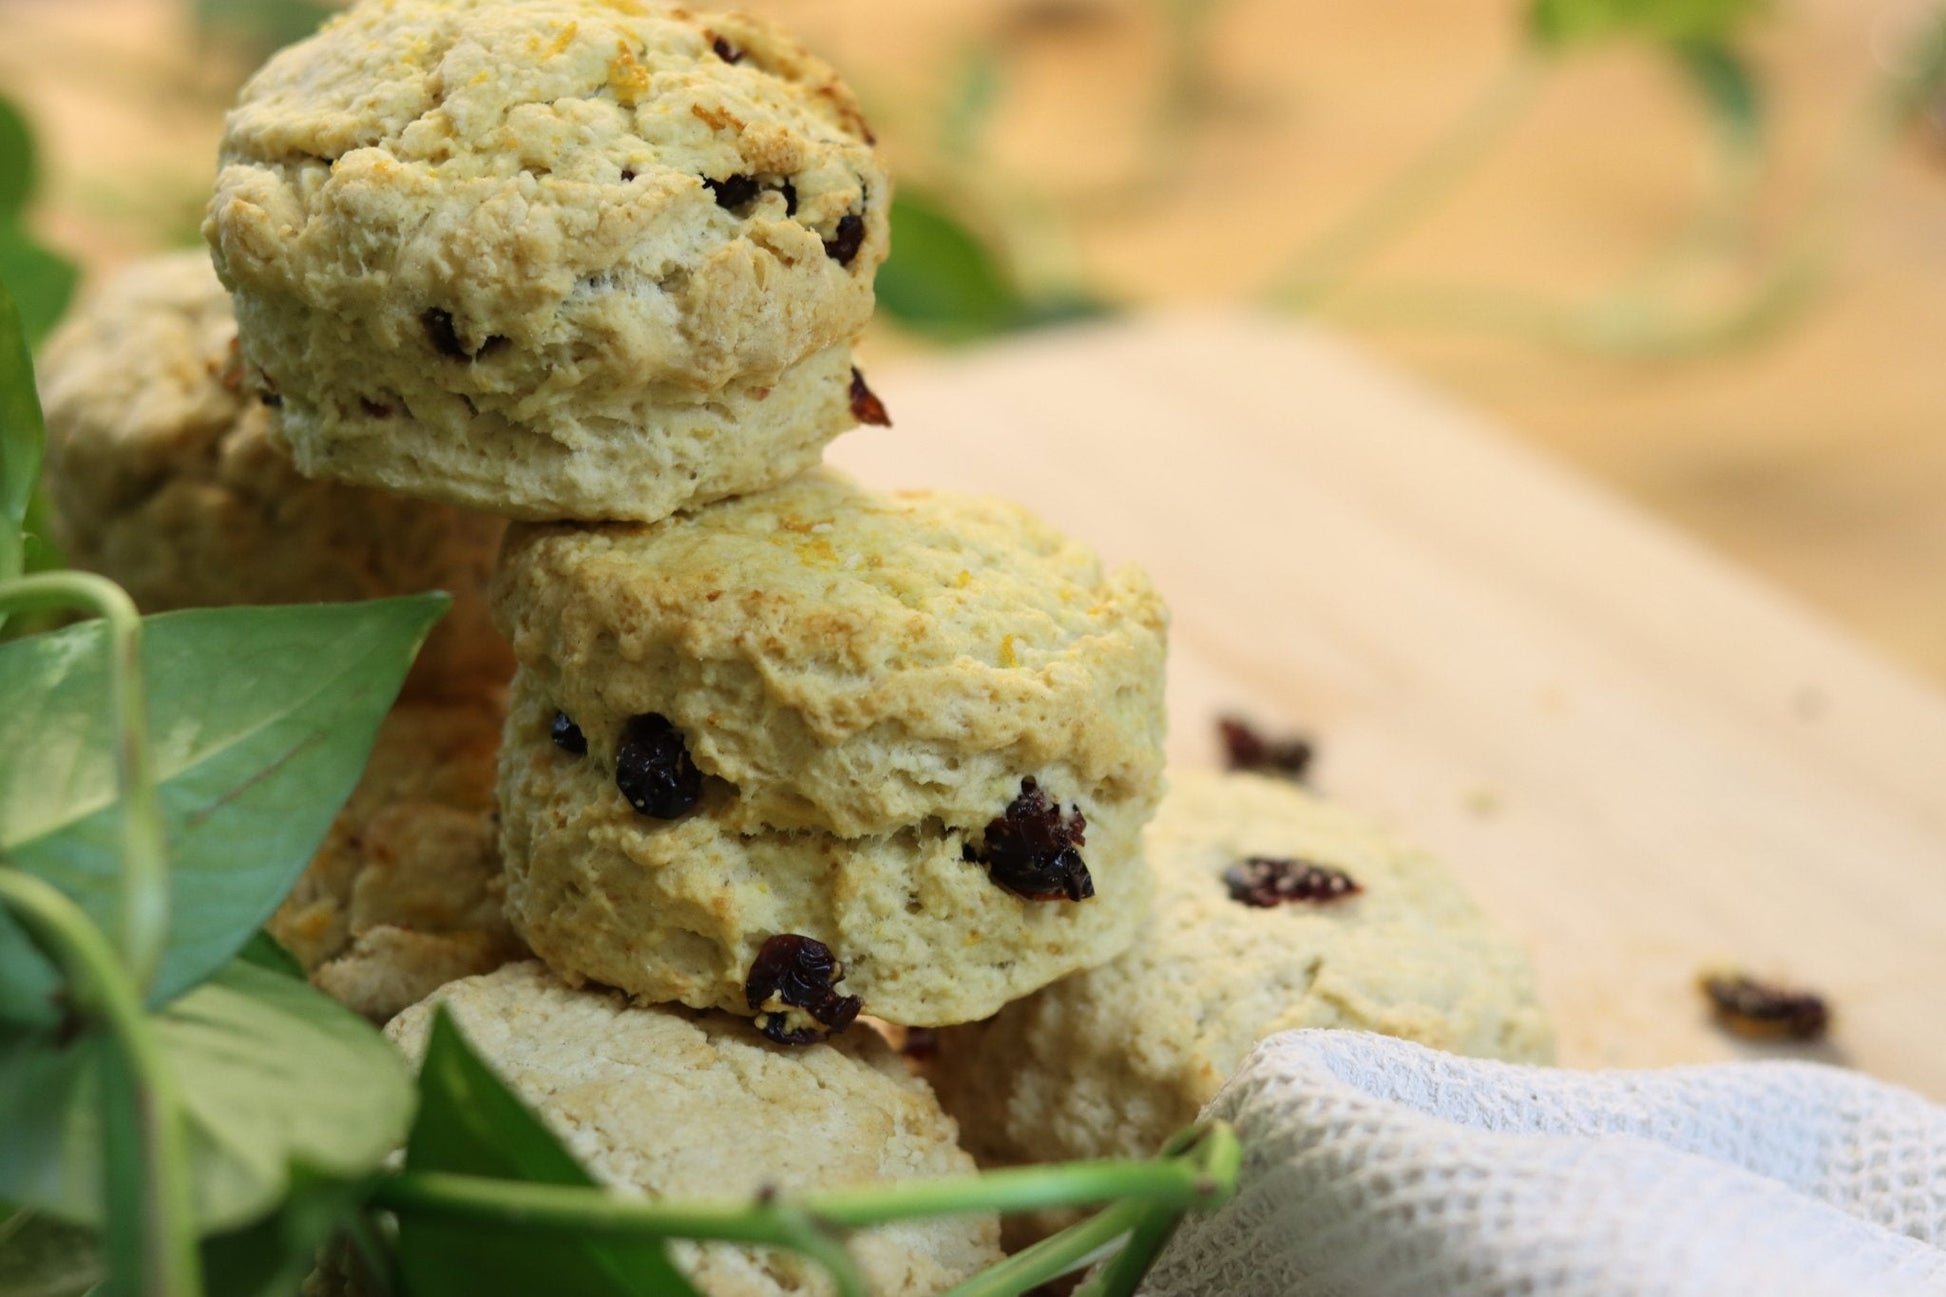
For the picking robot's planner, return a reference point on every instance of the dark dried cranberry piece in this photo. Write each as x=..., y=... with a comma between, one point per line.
x=789, y=191
x=797, y=972
x=374, y=409
x=271, y=399
x=1246, y=749
x=1030, y=849
x=733, y=192
x=865, y=405
x=1263, y=882
x=443, y=336
x=1762, y=1011
x=567, y=735
x=653, y=769
x=843, y=246
x=726, y=51
x=628, y=174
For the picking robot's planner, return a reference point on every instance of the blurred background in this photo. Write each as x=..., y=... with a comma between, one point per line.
x=1696, y=248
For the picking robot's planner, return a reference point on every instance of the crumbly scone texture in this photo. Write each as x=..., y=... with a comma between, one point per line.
x=1112, y=1062
x=555, y=258
x=161, y=476
x=854, y=662
x=678, y=910
x=678, y=1104
x=406, y=893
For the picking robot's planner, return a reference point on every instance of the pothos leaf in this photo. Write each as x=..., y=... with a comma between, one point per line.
x=42, y=280
x=42, y=1257
x=941, y=280
x=470, y=1122
x=262, y=721
x=16, y=162
x=23, y=437
x=1557, y=24
x=1725, y=82
x=278, y=1083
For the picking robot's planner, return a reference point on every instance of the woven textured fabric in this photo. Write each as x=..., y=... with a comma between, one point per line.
x=1378, y=1168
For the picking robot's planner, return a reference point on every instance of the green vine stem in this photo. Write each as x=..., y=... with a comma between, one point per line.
x=1323, y=267
x=1201, y=1174
x=144, y=926
x=166, y=1263
x=1639, y=320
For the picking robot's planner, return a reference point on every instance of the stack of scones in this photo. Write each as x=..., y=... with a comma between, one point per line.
x=775, y=751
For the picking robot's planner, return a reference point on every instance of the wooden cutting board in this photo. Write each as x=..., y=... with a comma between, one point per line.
x=1641, y=760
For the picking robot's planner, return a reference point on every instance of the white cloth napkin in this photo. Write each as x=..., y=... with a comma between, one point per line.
x=1378, y=1168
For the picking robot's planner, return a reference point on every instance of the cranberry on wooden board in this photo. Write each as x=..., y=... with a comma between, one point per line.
x=1245, y=748
x=1759, y=1010
x=654, y=770
x=792, y=987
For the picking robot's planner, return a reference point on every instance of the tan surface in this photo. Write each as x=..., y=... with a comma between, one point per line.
x=1817, y=458
x=1640, y=760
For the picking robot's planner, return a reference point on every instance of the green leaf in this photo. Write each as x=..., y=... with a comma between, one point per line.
x=1559, y=24
x=42, y=1257
x=262, y=721
x=1727, y=85
x=469, y=1122
x=265, y=951
x=278, y=1083
x=23, y=437
x=17, y=169
x=941, y=280
x=261, y=26
x=42, y=281
x=271, y=1257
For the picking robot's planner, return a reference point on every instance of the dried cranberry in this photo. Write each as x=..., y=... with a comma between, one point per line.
x=1760, y=1010
x=789, y=191
x=920, y=1043
x=653, y=768
x=726, y=51
x=1246, y=749
x=443, y=335
x=374, y=409
x=1030, y=849
x=733, y=192
x=843, y=246
x=865, y=405
x=567, y=735
x=271, y=399
x=1263, y=883
x=797, y=972
x=628, y=174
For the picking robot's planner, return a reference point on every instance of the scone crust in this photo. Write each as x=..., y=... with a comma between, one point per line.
x=853, y=662
x=162, y=477
x=1113, y=1061
x=677, y=911
x=471, y=240
x=675, y=1104
x=406, y=893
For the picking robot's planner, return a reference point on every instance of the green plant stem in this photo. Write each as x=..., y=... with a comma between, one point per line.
x=104, y=993
x=1323, y=267
x=1198, y=1171
x=144, y=926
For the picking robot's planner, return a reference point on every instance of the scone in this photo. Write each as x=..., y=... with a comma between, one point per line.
x=161, y=477
x=683, y=910
x=923, y=730
x=1273, y=911
x=594, y=259
x=853, y=661
x=682, y=1105
x=405, y=894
